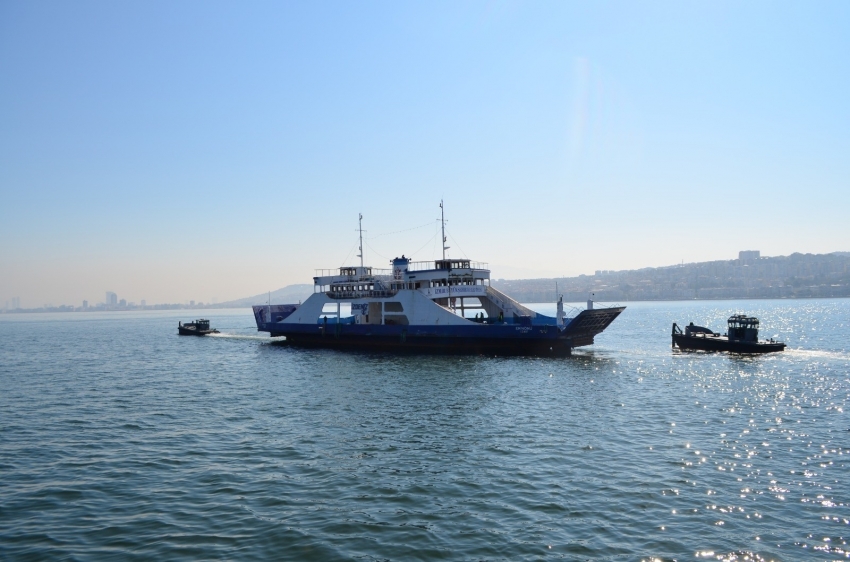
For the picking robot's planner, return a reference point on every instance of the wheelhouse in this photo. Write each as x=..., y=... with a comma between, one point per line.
x=743, y=327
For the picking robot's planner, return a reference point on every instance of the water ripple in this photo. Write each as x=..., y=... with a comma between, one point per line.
x=235, y=446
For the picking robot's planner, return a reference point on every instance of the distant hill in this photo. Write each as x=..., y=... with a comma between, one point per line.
x=290, y=294
x=794, y=276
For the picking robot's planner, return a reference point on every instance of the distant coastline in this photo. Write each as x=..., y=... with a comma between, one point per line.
x=118, y=308
x=751, y=276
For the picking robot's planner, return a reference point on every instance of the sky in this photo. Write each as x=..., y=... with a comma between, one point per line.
x=205, y=150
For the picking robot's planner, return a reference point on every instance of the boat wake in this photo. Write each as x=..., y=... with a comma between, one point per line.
x=817, y=353
x=225, y=335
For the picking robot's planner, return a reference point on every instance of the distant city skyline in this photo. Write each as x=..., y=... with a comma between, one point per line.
x=196, y=151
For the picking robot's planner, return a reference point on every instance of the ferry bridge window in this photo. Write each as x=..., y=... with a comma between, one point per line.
x=329, y=309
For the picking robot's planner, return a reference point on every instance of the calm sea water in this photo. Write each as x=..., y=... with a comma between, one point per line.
x=121, y=440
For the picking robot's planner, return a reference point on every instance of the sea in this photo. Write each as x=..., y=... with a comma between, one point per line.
x=120, y=440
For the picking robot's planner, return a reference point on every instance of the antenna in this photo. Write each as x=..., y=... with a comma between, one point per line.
x=360, y=255
x=443, y=222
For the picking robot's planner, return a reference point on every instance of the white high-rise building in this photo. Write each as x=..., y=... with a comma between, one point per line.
x=111, y=299
x=748, y=255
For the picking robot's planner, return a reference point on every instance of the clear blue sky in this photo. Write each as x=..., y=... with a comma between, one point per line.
x=194, y=150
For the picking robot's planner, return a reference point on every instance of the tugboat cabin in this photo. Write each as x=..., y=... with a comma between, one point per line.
x=745, y=328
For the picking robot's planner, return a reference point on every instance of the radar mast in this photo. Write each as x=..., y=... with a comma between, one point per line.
x=443, y=222
x=360, y=228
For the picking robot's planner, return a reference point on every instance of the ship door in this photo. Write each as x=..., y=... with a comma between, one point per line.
x=376, y=314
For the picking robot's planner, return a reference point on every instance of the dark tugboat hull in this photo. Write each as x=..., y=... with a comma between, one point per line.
x=197, y=328
x=193, y=332
x=742, y=337
x=722, y=343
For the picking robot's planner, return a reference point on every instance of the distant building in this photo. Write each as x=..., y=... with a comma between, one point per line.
x=16, y=303
x=191, y=303
x=123, y=302
x=111, y=299
x=144, y=303
x=85, y=304
x=747, y=256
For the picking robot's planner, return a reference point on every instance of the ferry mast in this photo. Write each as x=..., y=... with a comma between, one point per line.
x=360, y=228
x=443, y=244
x=443, y=222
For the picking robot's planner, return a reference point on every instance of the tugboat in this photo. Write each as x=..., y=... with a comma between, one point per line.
x=441, y=306
x=197, y=328
x=741, y=337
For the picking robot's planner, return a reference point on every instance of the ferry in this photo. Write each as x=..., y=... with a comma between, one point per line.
x=444, y=306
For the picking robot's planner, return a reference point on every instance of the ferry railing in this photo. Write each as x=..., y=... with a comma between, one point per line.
x=412, y=266
x=335, y=272
x=598, y=304
x=376, y=274
x=327, y=272
x=508, y=304
x=376, y=294
x=432, y=266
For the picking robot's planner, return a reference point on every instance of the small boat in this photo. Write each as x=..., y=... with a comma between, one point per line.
x=741, y=337
x=197, y=328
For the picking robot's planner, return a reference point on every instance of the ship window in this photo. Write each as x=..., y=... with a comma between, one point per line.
x=393, y=306
x=329, y=309
x=396, y=319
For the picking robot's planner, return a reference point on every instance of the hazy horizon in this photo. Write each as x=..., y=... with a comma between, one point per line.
x=196, y=151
